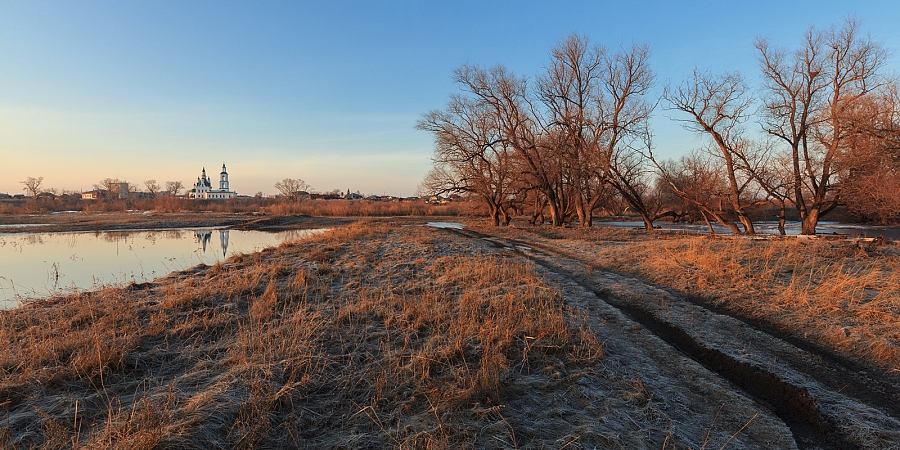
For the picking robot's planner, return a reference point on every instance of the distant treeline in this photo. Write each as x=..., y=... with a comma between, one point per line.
x=305, y=206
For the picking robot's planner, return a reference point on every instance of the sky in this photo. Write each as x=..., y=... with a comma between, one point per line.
x=328, y=92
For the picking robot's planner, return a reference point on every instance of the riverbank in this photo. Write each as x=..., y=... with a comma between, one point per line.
x=371, y=335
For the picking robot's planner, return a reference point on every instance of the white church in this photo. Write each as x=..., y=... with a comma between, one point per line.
x=203, y=187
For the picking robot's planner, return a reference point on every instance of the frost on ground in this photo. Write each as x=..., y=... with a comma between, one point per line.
x=725, y=298
x=368, y=336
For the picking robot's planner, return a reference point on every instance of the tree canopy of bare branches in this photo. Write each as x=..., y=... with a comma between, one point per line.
x=625, y=112
x=111, y=188
x=538, y=162
x=470, y=155
x=808, y=97
x=575, y=138
x=569, y=140
x=173, y=187
x=716, y=106
x=292, y=187
x=33, y=185
x=153, y=188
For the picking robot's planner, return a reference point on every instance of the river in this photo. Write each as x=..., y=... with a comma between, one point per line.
x=34, y=265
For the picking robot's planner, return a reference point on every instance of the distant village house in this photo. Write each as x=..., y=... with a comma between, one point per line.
x=117, y=190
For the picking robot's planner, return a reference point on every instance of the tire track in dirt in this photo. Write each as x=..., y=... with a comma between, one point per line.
x=824, y=400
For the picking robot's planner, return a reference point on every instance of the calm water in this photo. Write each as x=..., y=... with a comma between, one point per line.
x=38, y=264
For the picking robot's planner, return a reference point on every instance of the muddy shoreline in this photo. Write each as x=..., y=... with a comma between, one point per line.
x=98, y=222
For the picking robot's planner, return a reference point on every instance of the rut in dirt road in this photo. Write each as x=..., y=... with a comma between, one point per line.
x=827, y=400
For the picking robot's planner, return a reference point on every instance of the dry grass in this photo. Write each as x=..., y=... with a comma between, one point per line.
x=842, y=294
x=367, y=336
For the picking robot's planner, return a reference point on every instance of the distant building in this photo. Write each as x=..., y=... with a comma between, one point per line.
x=121, y=189
x=203, y=187
x=116, y=190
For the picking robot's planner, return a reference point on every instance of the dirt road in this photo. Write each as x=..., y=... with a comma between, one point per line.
x=827, y=400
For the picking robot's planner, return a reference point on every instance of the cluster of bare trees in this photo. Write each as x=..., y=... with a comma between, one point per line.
x=570, y=143
x=108, y=186
x=576, y=139
x=111, y=186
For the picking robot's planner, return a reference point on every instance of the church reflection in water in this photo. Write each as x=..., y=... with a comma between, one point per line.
x=204, y=238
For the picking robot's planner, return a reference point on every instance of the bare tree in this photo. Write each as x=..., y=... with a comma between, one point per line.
x=569, y=90
x=716, y=106
x=152, y=187
x=808, y=94
x=114, y=188
x=571, y=143
x=539, y=165
x=33, y=185
x=108, y=187
x=775, y=178
x=625, y=114
x=470, y=155
x=173, y=187
x=701, y=184
x=292, y=187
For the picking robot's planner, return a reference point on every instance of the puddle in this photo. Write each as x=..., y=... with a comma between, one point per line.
x=454, y=225
x=22, y=225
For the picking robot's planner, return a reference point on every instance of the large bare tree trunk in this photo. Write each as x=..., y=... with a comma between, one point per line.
x=809, y=223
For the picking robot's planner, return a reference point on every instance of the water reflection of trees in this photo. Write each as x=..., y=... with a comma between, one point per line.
x=11, y=245
x=115, y=236
x=172, y=234
x=33, y=239
x=71, y=240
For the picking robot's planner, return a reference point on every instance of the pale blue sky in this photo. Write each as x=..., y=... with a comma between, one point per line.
x=328, y=91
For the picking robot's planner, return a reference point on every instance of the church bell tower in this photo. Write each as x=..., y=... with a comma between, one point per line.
x=223, y=179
